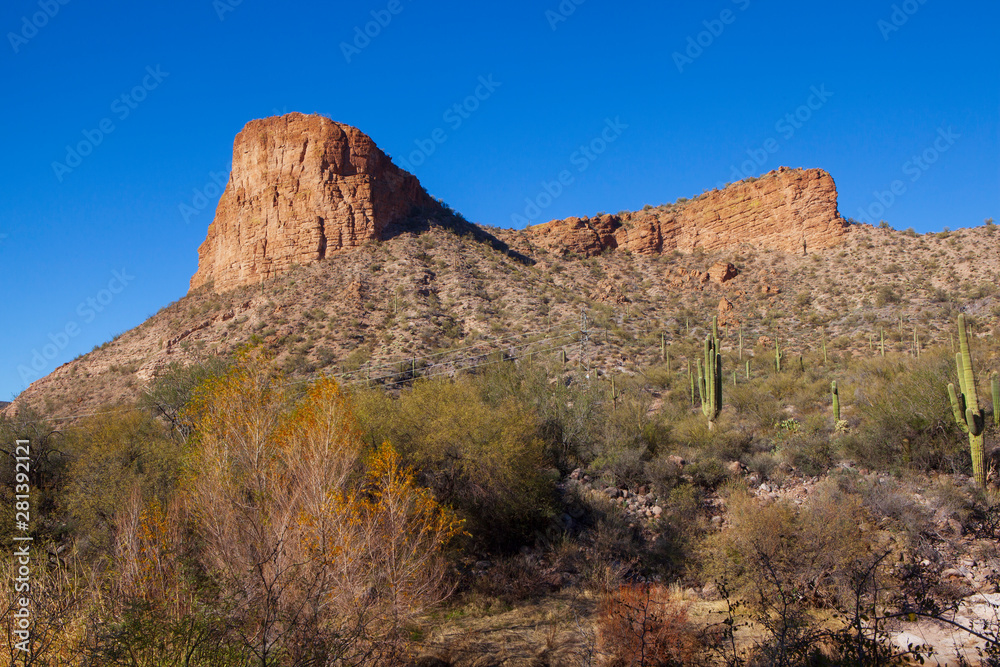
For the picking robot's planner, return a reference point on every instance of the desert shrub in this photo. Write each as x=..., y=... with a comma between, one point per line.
x=172, y=390
x=905, y=414
x=781, y=561
x=762, y=463
x=509, y=580
x=615, y=539
x=641, y=625
x=110, y=456
x=754, y=404
x=692, y=431
x=884, y=497
x=625, y=439
x=58, y=596
x=479, y=451
x=49, y=465
x=807, y=447
x=681, y=527
x=707, y=472
x=626, y=465
x=886, y=295
x=664, y=472
x=657, y=376
x=318, y=547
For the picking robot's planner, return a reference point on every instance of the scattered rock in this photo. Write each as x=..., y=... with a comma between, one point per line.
x=722, y=272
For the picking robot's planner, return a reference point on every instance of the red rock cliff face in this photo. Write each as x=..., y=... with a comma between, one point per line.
x=301, y=187
x=787, y=209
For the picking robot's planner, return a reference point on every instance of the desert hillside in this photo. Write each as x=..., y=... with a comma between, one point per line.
x=736, y=429
x=336, y=260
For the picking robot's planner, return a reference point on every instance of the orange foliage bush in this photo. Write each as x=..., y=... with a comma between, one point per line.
x=640, y=625
x=316, y=549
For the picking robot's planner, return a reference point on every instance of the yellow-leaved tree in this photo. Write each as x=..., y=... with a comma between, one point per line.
x=318, y=551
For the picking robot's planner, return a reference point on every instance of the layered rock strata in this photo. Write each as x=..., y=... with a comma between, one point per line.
x=301, y=187
x=793, y=210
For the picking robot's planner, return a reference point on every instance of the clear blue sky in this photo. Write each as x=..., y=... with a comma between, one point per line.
x=923, y=83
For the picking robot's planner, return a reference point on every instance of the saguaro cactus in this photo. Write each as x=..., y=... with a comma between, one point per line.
x=836, y=402
x=691, y=380
x=710, y=381
x=965, y=406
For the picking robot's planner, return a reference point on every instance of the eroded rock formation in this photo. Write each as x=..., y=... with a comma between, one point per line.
x=793, y=210
x=301, y=187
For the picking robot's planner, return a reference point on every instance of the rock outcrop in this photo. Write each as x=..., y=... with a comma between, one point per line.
x=793, y=210
x=301, y=187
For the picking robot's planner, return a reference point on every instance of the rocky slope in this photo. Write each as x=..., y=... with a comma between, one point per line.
x=385, y=275
x=440, y=291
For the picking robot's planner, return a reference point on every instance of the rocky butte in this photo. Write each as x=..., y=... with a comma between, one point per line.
x=303, y=187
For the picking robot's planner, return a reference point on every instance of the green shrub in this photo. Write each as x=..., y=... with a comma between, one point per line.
x=905, y=415
x=480, y=453
x=112, y=456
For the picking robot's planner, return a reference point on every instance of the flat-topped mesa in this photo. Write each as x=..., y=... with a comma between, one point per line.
x=301, y=187
x=794, y=210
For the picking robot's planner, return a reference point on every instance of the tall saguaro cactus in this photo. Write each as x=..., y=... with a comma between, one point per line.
x=836, y=402
x=965, y=406
x=710, y=381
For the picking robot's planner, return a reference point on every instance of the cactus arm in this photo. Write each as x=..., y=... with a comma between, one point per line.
x=960, y=368
x=717, y=408
x=995, y=390
x=691, y=380
x=969, y=386
x=701, y=387
x=978, y=452
x=974, y=420
x=965, y=406
x=957, y=408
